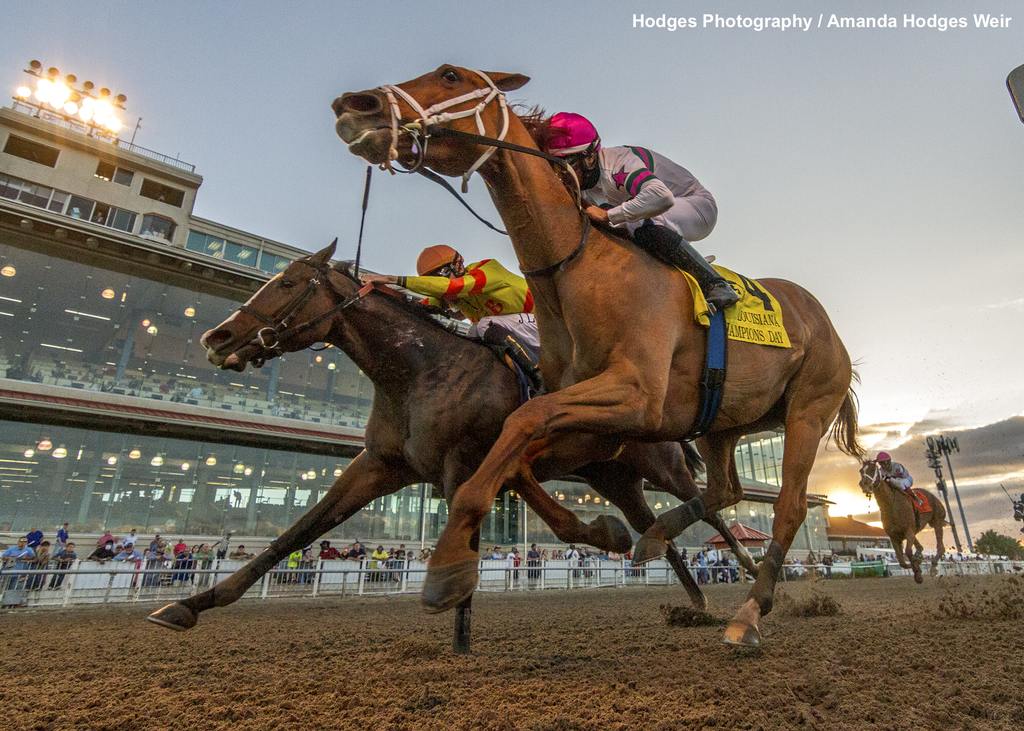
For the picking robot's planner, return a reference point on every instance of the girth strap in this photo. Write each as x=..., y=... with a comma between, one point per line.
x=712, y=383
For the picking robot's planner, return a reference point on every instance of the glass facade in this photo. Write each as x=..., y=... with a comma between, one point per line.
x=70, y=324
x=759, y=458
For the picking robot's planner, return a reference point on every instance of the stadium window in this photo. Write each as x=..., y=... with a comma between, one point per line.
x=79, y=207
x=240, y=254
x=35, y=195
x=157, y=226
x=163, y=193
x=105, y=170
x=9, y=187
x=32, y=151
x=272, y=263
x=123, y=177
x=57, y=201
x=100, y=214
x=121, y=219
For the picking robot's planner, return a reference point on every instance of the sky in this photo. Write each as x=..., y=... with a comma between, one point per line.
x=880, y=169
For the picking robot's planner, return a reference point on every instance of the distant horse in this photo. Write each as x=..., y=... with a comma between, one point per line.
x=622, y=352
x=439, y=403
x=901, y=521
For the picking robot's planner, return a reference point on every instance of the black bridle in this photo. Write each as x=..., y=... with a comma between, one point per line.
x=278, y=328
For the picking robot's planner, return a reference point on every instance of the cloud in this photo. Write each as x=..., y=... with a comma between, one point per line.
x=1011, y=304
x=989, y=455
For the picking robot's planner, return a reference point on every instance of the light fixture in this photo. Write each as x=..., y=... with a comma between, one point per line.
x=108, y=294
x=337, y=471
x=44, y=445
x=190, y=312
x=134, y=454
x=146, y=323
x=8, y=271
x=152, y=330
x=248, y=471
x=111, y=460
x=60, y=452
x=211, y=461
x=157, y=461
x=657, y=506
x=319, y=359
x=303, y=477
x=185, y=466
x=23, y=92
x=29, y=452
x=239, y=468
x=331, y=366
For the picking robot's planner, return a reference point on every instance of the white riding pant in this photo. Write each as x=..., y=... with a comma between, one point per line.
x=522, y=325
x=693, y=217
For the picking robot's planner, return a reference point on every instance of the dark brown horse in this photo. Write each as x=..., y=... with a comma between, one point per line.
x=618, y=334
x=901, y=521
x=439, y=403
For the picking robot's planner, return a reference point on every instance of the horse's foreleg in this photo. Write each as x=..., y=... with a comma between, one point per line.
x=604, y=404
x=802, y=436
x=365, y=480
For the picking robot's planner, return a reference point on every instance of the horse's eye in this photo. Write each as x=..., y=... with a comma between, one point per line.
x=287, y=283
x=450, y=75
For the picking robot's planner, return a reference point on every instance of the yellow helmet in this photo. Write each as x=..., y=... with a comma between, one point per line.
x=433, y=258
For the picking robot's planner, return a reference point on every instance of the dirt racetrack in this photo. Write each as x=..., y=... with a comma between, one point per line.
x=599, y=659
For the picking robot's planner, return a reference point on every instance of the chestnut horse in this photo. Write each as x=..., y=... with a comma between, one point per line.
x=619, y=339
x=901, y=521
x=439, y=403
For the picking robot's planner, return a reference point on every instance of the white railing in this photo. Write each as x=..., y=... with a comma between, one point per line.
x=91, y=582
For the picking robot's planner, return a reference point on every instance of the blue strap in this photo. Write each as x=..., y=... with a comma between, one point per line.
x=713, y=379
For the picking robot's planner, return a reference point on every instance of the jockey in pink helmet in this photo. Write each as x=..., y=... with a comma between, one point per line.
x=893, y=472
x=660, y=203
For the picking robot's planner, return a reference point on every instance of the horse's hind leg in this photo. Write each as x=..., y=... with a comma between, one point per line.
x=625, y=490
x=721, y=493
x=914, y=557
x=365, y=480
x=606, y=531
x=940, y=549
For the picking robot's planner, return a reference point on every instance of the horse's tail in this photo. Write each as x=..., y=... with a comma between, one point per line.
x=694, y=462
x=844, y=428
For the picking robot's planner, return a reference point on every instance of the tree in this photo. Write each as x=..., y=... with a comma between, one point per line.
x=995, y=544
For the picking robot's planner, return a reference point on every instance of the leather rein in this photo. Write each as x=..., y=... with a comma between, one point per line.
x=278, y=328
x=430, y=124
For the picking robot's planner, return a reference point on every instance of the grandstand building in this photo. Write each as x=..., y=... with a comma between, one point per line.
x=110, y=416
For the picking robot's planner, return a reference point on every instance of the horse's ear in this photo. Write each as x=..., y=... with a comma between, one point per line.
x=324, y=255
x=507, y=82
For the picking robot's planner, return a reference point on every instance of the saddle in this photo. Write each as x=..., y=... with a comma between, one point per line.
x=919, y=501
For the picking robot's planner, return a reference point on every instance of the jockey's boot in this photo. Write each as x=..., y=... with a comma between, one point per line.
x=522, y=356
x=668, y=246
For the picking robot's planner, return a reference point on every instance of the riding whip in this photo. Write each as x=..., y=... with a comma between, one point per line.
x=362, y=218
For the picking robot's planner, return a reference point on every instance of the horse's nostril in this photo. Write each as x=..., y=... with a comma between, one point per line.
x=360, y=103
x=214, y=338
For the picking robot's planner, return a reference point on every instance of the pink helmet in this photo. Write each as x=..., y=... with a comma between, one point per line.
x=572, y=133
x=883, y=457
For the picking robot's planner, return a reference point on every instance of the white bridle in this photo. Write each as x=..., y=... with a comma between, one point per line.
x=435, y=114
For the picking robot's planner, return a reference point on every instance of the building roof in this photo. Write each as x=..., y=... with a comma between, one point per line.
x=741, y=533
x=839, y=527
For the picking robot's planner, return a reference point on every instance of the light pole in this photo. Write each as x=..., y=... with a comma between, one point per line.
x=946, y=445
x=935, y=462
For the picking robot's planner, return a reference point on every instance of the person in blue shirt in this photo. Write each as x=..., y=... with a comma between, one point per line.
x=128, y=553
x=62, y=535
x=21, y=556
x=34, y=538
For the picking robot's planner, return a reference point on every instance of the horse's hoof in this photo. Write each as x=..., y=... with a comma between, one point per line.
x=742, y=634
x=446, y=586
x=610, y=534
x=918, y=578
x=648, y=549
x=176, y=616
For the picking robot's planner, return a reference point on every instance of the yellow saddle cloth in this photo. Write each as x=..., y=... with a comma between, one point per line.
x=756, y=318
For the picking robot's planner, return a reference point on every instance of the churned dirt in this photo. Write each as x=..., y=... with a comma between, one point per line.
x=601, y=659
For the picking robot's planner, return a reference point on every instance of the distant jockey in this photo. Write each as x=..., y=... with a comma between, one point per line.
x=495, y=300
x=659, y=202
x=894, y=473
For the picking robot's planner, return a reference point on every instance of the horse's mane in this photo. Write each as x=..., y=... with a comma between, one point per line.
x=537, y=123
